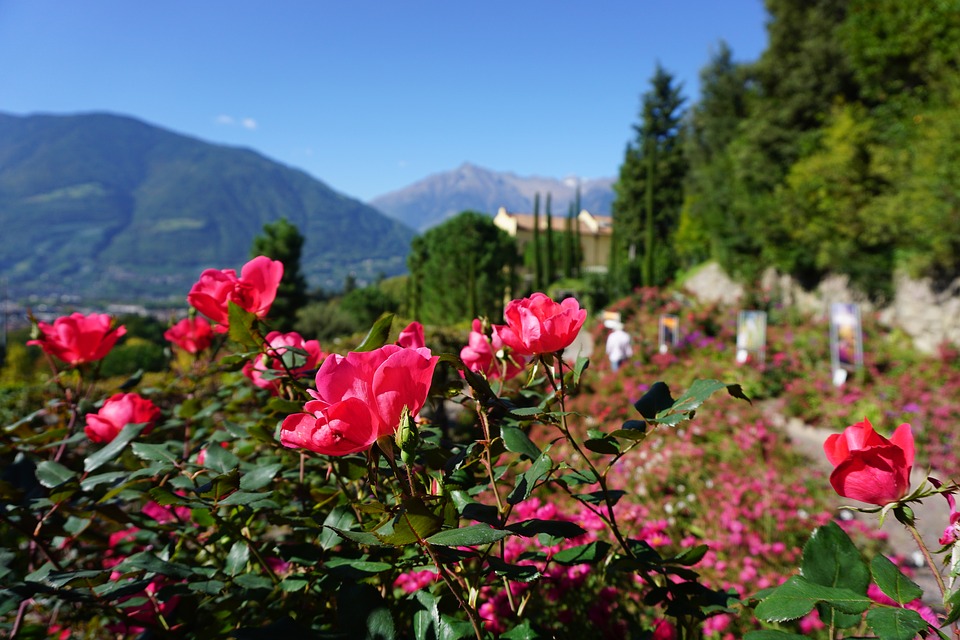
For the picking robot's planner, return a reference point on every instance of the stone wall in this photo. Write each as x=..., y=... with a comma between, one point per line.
x=930, y=317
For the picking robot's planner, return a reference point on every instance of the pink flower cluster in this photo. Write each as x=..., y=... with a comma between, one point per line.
x=77, y=339
x=266, y=369
x=253, y=291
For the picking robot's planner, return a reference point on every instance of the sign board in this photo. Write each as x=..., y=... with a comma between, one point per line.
x=669, y=332
x=846, y=340
x=752, y=336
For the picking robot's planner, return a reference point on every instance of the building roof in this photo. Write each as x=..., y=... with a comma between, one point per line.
x=589, y=223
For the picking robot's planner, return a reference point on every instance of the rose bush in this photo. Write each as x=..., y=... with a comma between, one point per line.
x=76, y=339
x=486, y=354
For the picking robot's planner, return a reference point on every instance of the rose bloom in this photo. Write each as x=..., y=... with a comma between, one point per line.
x=412, y=336
x=481, y=355
x=117, y=412
x=867, y=466
x=360, y=397
x=538, y=325
x=271, y=360
x=254, y=291
x=193, y=335
x=77, y=338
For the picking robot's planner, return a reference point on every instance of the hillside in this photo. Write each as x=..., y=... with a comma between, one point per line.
x=105, y=205
x=432, y=200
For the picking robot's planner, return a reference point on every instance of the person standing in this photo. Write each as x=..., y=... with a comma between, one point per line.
x=618, y=345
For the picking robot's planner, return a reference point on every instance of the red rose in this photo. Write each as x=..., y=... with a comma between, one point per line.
x=360, y=397
x=117, y=412
x=277, y=350
x=867, y=466
x=193, y=335
x=77, y=338
x=412, y=336
x=485, y=355
x=538, y=325
x=254, y=291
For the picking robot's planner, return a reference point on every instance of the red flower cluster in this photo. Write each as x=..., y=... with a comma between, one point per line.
x=77, y=338
x=118, y=411
x=277, y=354
x=537, y=325
x=360, y=397
x=193, y=335
x=254, y=291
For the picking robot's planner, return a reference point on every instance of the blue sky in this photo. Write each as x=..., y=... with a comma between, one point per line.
x=371, y=96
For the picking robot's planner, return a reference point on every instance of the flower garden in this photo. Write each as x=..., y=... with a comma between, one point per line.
x=404, y=488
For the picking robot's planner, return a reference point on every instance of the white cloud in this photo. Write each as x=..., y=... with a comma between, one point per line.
x=229, y=121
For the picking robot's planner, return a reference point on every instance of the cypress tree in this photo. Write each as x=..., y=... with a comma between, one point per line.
x=578, y=242
x=537, y=261
x=551, y=267
x=568, y=244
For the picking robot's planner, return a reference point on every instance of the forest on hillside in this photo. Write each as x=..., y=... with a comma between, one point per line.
x=835, y=152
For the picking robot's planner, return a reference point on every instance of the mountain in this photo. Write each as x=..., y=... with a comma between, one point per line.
x=100, y=205
x=432, y=200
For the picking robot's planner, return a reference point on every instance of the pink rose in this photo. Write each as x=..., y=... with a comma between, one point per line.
x=254, y=291
x=484, y=355
x=117, y=412
x=412, y=336
x=193, y=335
x=867, y=466
x=538, y=325
x=359, y=398
x=277, y=353
x=77, y=338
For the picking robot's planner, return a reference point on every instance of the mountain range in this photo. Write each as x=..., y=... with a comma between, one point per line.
x=101, y=205
x=430, y=201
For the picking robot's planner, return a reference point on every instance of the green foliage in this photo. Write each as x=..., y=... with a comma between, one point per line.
x=461, y=268
x=324, y=321
x=365, y=305
x=282, y=241
x=133, y=355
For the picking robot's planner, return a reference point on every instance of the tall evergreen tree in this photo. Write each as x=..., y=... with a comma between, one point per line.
x=568, y=240
x=282, y=240
x=578, y=241
x=551, y=267
x=647, y=219
x=537, y=258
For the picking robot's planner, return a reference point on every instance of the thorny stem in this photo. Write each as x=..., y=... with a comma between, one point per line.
x=927, y=557
x=601, y=477
x=485, y=425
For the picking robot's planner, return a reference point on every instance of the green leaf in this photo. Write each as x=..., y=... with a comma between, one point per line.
x=254, y=581
x=378, y=334
x=655, y=400
x=830, y=558
x=360, y=537
x=259, y=477
x=52, y=474
x=522, y=631
x=529, y=479
x=590, y=553
x=685, y=407
x=132, y=381
x=691, y=556
x=581, y=365
x=219, y=459
x=364, y=613
x=953, y=603
x=598, y=497
x=113, y=448
x=241, y=325
x=154, y=452
x=606, y=445
x=238, y=558
x=469, y=536
x=340, y=518
x=515, y=572
x=526, y=412
x=556, y=528
x=892, y=581
x=894, y=623
x=412, y=523
x=797, y=597
x=514, y=439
